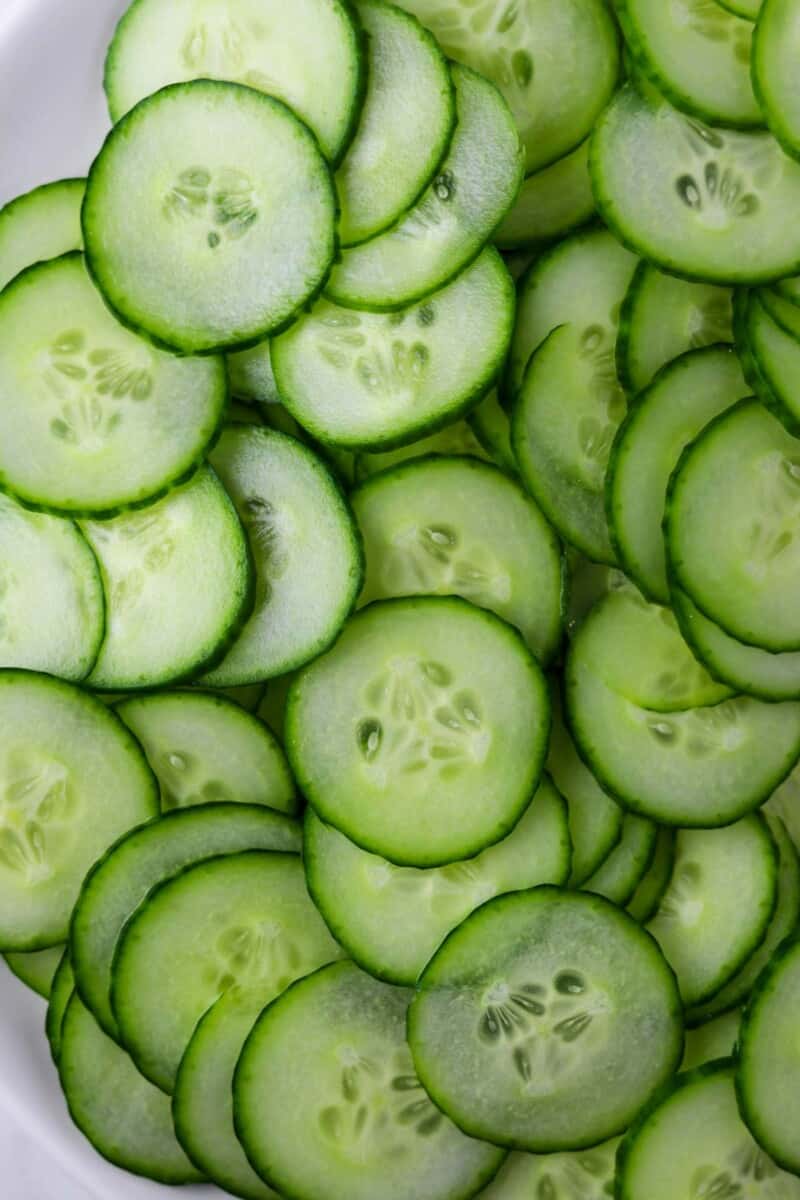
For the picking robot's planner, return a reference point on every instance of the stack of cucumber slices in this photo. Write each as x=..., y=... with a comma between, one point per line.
x=399, y=579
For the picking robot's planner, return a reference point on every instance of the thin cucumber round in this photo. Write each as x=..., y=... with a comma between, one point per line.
x=327, y=1068
x=619, y=875
x=785, y=804
x=42, y=224
x=644, y=902
x=420, y=695
x=551, y=203
x=61, y=992
x=36, y=968
x=776, y=45
x=773, y=343
x=209, y=217
x=716, y=1038
x=458, y=439
x=490, y=423
x=588, y=583
x=251, y=377
x=538, y=1000
x=588, y=1174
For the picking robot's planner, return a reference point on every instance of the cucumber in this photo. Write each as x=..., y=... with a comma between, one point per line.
x=420, y=694
x=190, y=189
x=588, y=1174
x=784, y=803
x=461, y=527
x=36, y=969
x=588, y=583
x=272, y=709
x=717, y=1038
x=743, y=8
x=645, y=901
x=309, y=55
x=251, y=377
x=248, y=697
x=205, y=749
x=458, y=439
x=491, y=425
x=397, y=146
x=185, y=554
x=776, y=44
x=710, y=204
x=537, y=1000
x=125, y=1118
x=774, y=352
x=61, y=992
x=121, y=881
x=327, y=1067
x=447, y=228
x=94, y=420
x=551, y=203
x=362, y=897
x=620, y=874
x=241, y=918
x=42, y=224
x=684, y=396
x=305, y=547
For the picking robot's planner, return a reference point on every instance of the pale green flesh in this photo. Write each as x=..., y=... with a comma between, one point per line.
x=491, y=425
x=647, y=897
x=715, y=1039
x=666, y=417
x=550, y=203
x=456, y=439
x=121, y=882
x=539, y=999
x=777, y=353
x=588, y=583
x=420, y=694
x=743, y=8
x=125, y=1117
x=447, y=228
x=248, y=696
x=572, y=1175
x=391, y=919
x=720, y=899
x=776, y=47
x=241, y=919
x=37, y=968
x=304, y=546
x=272, y=709
x=206, y=749
x=251, y=376
x=618, y=876
x=785, y=803
x=453, y=526
x=94, y=418
x=42, y=224
x=176, y=579
x=328, y=1064
x=61, y=993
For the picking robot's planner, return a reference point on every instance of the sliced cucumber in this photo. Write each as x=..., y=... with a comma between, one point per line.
x=42, y=224
x=306, y=550
x=645, y=901
x=447, y=228
x=185, y=556
x=191, y=190
x=785, y=804
x=61, y=992
x=573, y=1175
x=421, y=695
x=743, y=8
x=93, y=419
x=536, y=1001
x=709, y=204
x=776, y=45
x=619, y=875
x=588, y=583
x=491, y=425
x=248, y=697
x=459, y=439
x=551, y=203
x=36, y=968
x=121, y=881
x=272, y=709
x=456, y=526
x=775, y=351
x=717, y=1038
x=252, y=378
x=327, y=1067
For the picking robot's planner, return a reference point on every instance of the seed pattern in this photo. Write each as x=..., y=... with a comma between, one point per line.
x=684, y=677
x=38, y=800
x=711, y=21
x=747, y=1163
x=596, y=431
x=178, y=774
x=85, y=382
x=588, y=1175
x=226, y=199
x=711, y=321
x=221, y=49
x=720, y=191
x=495, y=32
x=387, y=364
x=150, y=538
x=262, y=523
x=254, y=954
x=701, y=731
x=432, y=559
x=682, y=901
x=773, y=530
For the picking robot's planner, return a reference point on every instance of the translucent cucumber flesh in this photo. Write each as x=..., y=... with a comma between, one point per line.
x=43, y=224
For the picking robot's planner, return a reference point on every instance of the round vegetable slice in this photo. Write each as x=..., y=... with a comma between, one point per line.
x=776, y=45
x=36, y=968
x=619, y=875
x=42, y=224
x=61, y=992
x=588, y=1174
x=551, y=203
x=715, y=1039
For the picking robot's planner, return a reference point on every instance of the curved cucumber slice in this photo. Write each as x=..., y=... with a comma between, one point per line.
x=588, y=1174
x=126, y=1119
x=718, y=905
x=447, y=228
x=715, y=1039
x=644, y=902
x=251, y=376
x=120, y=882
x=785, y=804
x=491, y=425
x=776, y=353
x=94, y=419
x=42, y=224
x=457, y=439
x=308, y=55
x=37, y=968
x=397, y=146
x=421, y=695
x=670, y=413
x=776, y=45
x=61, y=992
x=550, y=204
x=456, y=526
x=361, y=379
x=588, y=583
x=241, y=919
x=248, y=697
x=710, y=204
x=190, y=189
x=743, y=8
x=185, y=554
x=207, y=749
x=73, y=780
x=629, y=861
x=305, y=546
x=391, y=919
x=535, y=1002
x=329, y=1061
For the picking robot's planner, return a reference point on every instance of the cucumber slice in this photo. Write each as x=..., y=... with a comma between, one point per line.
x=306, y=550
x=73, y=780
x=697, y=55
x=61, y=992
x=781, y=309
x=447, y=228
x=557, y=66
x=670, y=413
x=309, y=55
x=743, y=8
x=717, y=1038
x=185, y=555
x=327, y=1068
x=456, y=526
x=550, y=204
x=251, y=376
x=536, y=1001
x=239, y=919
x=785, y=804
x=272, y=709
x=709, y=204
x=518, y=262
x=776, y=45
x=719, y=902
x=692, y=1141
x=37, y=968
x=42, y=224
x=588, y=583
x=121, y=881
x=644, y=902
x=418, y=695
x=398, y=146
x=457, y=439
x=125, y=1118
x=193, y=187
x=584, y=1174
x=491, y=425
x=619, y=875
x=94, y=420
x=776, y=354
x=391, y=919
x=735, y=496
x=248, y=697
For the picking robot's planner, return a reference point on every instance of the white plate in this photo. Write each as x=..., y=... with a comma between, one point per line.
x=52, y=122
